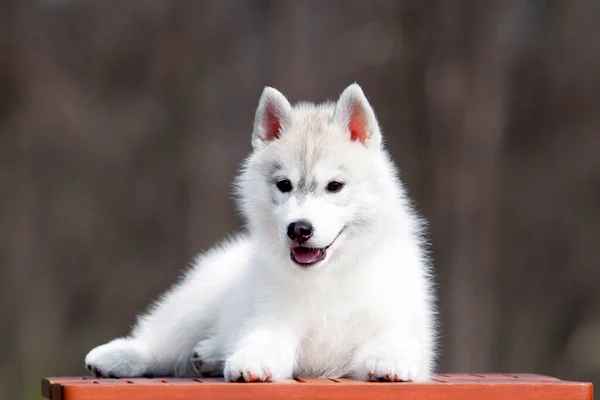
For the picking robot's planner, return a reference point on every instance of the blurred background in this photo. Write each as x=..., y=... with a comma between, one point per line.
x=122, y=125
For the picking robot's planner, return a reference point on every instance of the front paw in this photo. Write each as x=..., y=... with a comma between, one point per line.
x=207, y=359
x=258, y=365
x=395, y=362
x=390, y=369
x=120, y=358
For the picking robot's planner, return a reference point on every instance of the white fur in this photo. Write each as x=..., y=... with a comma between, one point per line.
x=247, y=311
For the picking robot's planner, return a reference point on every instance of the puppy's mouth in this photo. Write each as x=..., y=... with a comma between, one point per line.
x=309, y=256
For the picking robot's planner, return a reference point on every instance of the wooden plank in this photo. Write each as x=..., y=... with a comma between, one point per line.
x=444, y=386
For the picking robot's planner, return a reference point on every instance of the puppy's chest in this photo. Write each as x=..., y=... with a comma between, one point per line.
x=328, y=342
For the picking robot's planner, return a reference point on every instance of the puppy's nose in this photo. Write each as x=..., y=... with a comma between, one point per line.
x=300, y=231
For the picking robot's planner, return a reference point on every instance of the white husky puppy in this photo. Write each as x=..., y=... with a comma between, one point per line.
x=330, y=280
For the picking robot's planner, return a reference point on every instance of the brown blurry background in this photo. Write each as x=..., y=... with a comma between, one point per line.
x=122, y=124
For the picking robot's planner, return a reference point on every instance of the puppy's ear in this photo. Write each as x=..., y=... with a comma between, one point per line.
x=356, y=115
x=273, y=117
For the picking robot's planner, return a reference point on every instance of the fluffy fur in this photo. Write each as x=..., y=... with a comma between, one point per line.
x=253, y=309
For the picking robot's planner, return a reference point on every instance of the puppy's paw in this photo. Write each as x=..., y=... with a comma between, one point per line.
x=396, y=362
x=258, y=365
x=206, y=359
x=120, y=358
x=391, y=369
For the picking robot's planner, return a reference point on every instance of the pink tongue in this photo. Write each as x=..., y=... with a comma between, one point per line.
x=304, y=255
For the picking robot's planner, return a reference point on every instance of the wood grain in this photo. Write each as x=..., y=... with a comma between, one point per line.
x=443, y=386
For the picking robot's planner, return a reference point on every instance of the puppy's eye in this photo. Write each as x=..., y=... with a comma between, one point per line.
x=334, y=186
x=284, y=185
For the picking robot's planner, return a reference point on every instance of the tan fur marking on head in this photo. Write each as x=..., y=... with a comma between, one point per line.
x=313, y=138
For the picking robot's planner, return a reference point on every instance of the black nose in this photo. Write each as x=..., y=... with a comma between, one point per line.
x=300, y=231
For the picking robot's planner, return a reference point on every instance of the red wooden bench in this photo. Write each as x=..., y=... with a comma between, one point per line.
x=443, y=386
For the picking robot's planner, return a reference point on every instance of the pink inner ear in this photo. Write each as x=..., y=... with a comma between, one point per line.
x=273, y=127
x=357, y=128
